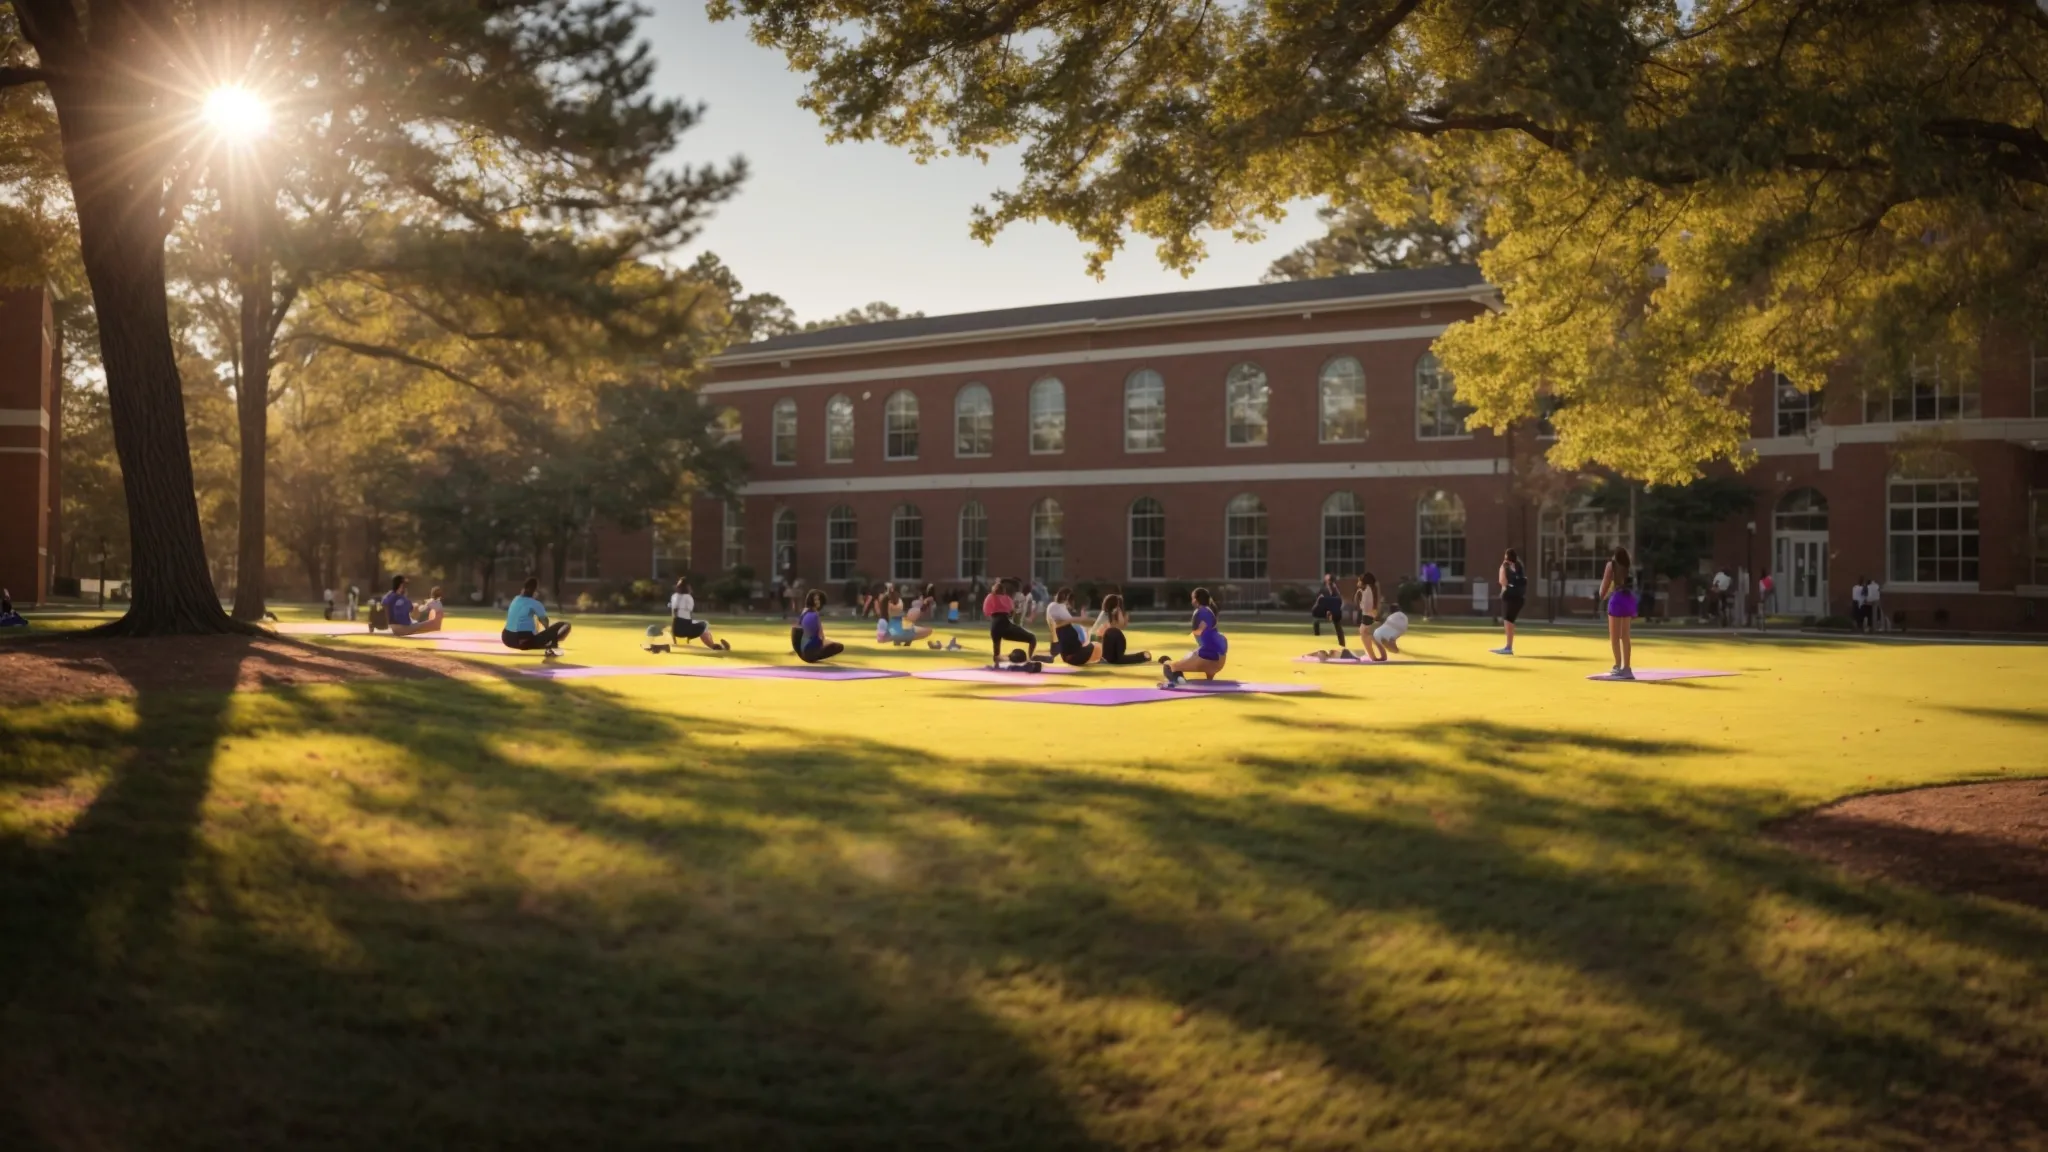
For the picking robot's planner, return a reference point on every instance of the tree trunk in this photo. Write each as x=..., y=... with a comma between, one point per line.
x=252, y=412
x=116, y=160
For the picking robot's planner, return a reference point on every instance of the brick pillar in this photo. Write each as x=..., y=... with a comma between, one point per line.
x=25, y=446
x=60, y=552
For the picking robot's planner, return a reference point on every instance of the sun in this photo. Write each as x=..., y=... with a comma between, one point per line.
x=237, y=113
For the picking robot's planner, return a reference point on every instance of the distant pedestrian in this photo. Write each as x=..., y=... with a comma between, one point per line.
x=1514, y=593
x=1858, y=609
x=1618, y=592
x=1432, y=575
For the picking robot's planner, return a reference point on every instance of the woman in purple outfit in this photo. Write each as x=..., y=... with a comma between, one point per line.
x=1618, y=589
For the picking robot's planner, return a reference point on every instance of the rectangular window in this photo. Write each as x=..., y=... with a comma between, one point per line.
x=785, y=431
x=1145, y=412
x=671, y=559
x=1929, y=393
x=1546, y=407
x=1798, y=411
x=973, y=542
x=582, y=564
x=906, y=530
x=1932, y=531
x=1148, y=540
x=734, y=535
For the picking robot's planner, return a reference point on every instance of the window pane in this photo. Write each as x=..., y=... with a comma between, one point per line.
x=1048, y=541
x=906, y=535
x=1144, y=412
x=1148, y=540
x=839, y=430
x=1437, y=412
x=973, y=541
x=1244, y=539
x=785, y=431
x=1048, y=416
x=785, y=541
x=1440, y=534
x=1245, y=405
x=900, y=420
x=974, y=422
x=1342, y=393
x=1343, y=534
x=842, y=543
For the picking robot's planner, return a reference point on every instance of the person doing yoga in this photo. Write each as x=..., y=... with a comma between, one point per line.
x=808, y=637
x=1211, y=649
x=398, y=610
x=904, y=629
x=526, y=623
x=1370, y=609
x=1000, y=607
x=1111, y=645
x=1069, y=638
x=1329, y=606
x=684, y=626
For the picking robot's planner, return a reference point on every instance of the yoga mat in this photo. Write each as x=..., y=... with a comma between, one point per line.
x=990, y=675
x=323, y=628
x=1112, y=697
x=492, y=647
x=1347, y=663
x=595, y=672
x=1652, y=675
x=748, y=672
x=454, y=634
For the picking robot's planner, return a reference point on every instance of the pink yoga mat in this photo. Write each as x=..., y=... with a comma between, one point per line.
x=1361, y=662
x=1112, y=697
x=748, y=672
x=453, y=634
x=990, y=675
x=1652, y=675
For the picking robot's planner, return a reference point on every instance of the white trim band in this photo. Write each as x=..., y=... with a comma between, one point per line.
x=1135, y=477
x=1078, y=356
x=25, y=418
x=43, y=452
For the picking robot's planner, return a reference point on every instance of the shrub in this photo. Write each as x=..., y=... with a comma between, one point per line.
x=1142, y=596
x=585, y=603
x=1294, y=597
x=1174, y=594
x=1409, y=593
x=1837, y=623
x=646, y=592
x=736, y=588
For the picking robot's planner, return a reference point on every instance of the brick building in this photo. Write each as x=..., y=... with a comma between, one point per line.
x=1257, y=437
x=31, y=438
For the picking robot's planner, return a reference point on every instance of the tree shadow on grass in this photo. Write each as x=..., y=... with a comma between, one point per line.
x=651, y=929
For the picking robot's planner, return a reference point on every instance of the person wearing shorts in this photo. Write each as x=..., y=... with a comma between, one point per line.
x=1370, y=609
x=999, y=607
x=1211, y=648
x=526, y=623
x=807, y=639
x=1386, y=638
x=1514, y=593
x=1432, y=575
x=1618, y=591
x=683, y=623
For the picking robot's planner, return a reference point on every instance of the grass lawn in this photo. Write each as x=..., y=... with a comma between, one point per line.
x=1465, y=903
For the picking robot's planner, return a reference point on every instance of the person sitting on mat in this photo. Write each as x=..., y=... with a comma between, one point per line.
x=808, y=637
x=1069, y=636
x=1109, y=633
x=1211, y=649
x=683, y=625
x=1387, y=637
x=999, y=607
x=433, y=609
x=9, y=618
x=526, y=623
x=902, y=618
x=398, y=611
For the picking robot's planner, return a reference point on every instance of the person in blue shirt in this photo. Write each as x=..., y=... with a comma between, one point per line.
x=1211, y=649
x=398, y=611
x=808, y=637
x=9, y=618
x=526, y=623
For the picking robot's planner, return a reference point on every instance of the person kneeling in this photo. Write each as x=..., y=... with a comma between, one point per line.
x=1000, y=606
x=1211, y=649
x=808, y=637
x=1387, y=637
x=526, y=623
x=684, y=625
x=398, y=612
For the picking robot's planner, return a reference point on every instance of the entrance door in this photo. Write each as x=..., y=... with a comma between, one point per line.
x=1801, y=572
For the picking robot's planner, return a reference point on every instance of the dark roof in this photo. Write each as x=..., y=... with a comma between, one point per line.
x=1447, y=278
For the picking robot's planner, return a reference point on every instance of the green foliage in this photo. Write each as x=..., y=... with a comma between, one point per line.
x=736, y=589
x=874, y=313
x=1682, y=196
x=1675, y=523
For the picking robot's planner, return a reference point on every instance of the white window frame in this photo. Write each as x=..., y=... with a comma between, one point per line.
x=1046, y=386
x=1264, y=559
x=1264, y=385
x=1049, y=507
x=1780, y=385
x=897, y=519
x=891, y=434
x=1157, y=383
x=980, y=537
x=988, y=414
x=1324, y=380
x=1435, y=369
x=1464, y=540
x=841, y=401
x=1131, y=538
x=833, y=572
x=1967, y=393
x=781, y=540
x=732, y=534
x=1353, y=567
x=1969, y=509
x=781, y=437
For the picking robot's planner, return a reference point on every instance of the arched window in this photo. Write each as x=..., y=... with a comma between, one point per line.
x=785, y=431
x=1798, y=410
x=1048, y=541
x=785, y=541
x=1144, y=412
x=1244, y=538
x=725, y=427
x=1341, y=393
x=1578, y=537
x=1148, y=539
x=974, y=422
x=1048, y=416
x=1343, y=534
x=733, y=535
x=899, y=425
x=1244, y=404
x=906, y=543
x=973, y=540
x=839, y=430
x=1932, y=530
x=1801, y=510
x=1440, y=533
x=1438, y=415
x=842, y=543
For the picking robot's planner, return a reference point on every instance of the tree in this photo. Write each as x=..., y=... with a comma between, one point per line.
x=1683, y=195
x=1435, y=224
x=498, y=143
x=874, y=313
x=749, y=316
x=1675, y=523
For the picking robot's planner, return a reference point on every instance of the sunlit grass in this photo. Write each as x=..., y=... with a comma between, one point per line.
x=1469, y=903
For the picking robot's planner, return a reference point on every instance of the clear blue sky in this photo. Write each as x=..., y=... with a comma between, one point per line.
x=831, y=227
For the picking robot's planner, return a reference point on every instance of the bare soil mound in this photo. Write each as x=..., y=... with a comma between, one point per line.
x=1987, y=839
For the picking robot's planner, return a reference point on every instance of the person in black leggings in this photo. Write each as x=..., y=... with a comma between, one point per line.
x=807, y=639
x=999, y=608
x=1109, y=630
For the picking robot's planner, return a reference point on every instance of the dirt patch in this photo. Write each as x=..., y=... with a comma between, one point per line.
x=69, y=667
x=1987, y=839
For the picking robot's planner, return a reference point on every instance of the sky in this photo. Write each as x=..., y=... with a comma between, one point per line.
x=829, y=227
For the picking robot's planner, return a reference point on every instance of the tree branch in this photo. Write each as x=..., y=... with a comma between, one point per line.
x=380, y=352
x=22, y=77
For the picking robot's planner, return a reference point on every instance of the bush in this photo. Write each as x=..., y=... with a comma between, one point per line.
x=1294, y=597
x=1174, y=594
x=1409, y=593
x=64, y=586
x=736, y=589
x=1142, y=596
x=646, y=592
x=585, y=602
x=1835, y=623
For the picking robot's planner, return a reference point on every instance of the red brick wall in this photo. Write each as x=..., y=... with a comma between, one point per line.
x=26, y=400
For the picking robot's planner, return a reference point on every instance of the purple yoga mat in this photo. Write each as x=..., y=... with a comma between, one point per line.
x=747, y=672
x=593, y=673
x=1361, y=661
x=990, y=675
x=1111, y=697
x=1651, y=675
x=457, y=634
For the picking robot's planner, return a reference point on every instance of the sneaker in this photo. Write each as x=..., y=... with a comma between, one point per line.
x=1614, y=671
x=953, y=645
x=1625, y=674
x=1173, y=679
x=1347, y=654
x=551, y=654
x=1503, y=651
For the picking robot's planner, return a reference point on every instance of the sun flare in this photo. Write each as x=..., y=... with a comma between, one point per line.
x=237, y=113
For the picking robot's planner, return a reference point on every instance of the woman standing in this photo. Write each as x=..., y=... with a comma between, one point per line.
x=1370, y=609
x=1514, y=592
x=1618, y=590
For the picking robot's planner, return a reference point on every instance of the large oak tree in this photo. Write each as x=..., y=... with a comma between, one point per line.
x=1681, y=194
